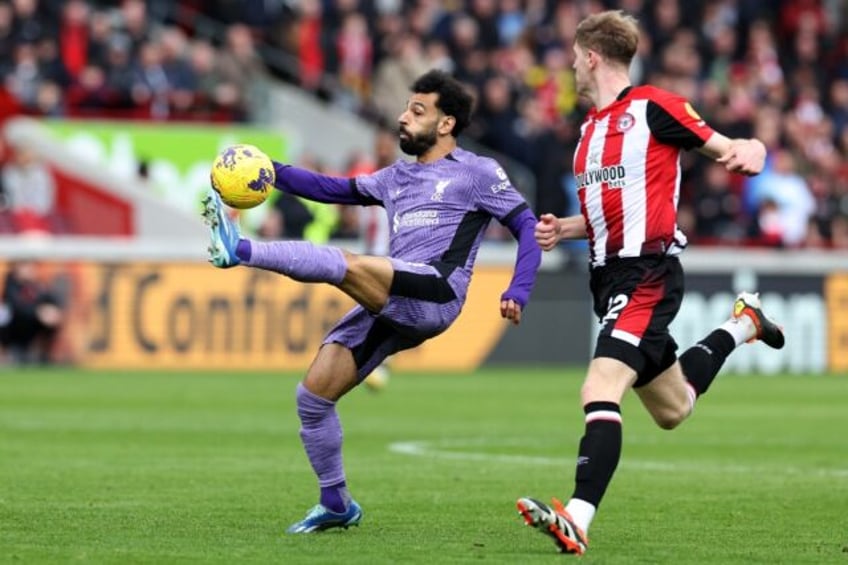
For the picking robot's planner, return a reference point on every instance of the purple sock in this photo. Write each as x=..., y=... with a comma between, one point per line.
x=335, y=498
x=301, y=260
x=321, y=433
x=243, y=250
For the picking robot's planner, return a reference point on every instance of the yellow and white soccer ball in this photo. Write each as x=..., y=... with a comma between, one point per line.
x=243, y=175
x=378, y=379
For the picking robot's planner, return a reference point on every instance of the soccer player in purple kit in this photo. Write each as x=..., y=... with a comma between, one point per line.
x=439, y=207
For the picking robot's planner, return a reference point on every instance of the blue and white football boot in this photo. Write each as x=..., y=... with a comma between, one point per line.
x=319, y=519
x=223, y=232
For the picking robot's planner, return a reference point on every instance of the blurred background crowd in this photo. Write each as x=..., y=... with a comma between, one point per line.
x=776, y=70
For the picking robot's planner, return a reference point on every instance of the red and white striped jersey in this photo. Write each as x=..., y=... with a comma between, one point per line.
x=627, y=167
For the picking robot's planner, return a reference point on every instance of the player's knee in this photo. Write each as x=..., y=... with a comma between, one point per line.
x=589, y=392
x=604, y=386
x=670, y=418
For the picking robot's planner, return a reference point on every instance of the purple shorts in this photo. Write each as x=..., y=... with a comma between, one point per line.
x=424, y=300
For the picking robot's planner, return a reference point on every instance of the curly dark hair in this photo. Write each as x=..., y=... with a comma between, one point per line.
x=454, y=100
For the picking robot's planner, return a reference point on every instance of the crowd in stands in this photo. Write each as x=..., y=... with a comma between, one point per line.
x=775, y=70
x=131, y=59
x=80, y=58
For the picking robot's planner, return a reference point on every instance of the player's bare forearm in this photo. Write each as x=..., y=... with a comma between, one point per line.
x=743, y=156
x=573, y=227
x=550, y=230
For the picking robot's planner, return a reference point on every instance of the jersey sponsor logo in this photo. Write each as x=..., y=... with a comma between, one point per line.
x=694, y=115
x=612, y=175
x=439, y=194
x=415, y=219
x=625, y=122
x=500, y=187
x=501, y=173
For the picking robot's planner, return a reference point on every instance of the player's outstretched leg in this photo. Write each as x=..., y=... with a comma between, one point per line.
x=748, y=304
x=223, y=232
x=554, y=522
x=319, y=519
x=747, y=323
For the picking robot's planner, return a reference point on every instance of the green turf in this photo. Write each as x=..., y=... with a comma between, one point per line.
x=194, y=468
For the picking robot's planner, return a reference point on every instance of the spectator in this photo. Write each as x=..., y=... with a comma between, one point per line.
x=120, y=73
x=510, y=21
x=30, y=192
x=7, y=38
x=395, y=73
x=49, y=100
x=212, y=91
x=354, y=52
x=90, y=90
x=768, y=229
x=181, y=79
x=74, y=36
x=552, y=83
x=30, y=26
x=783, y=200
x=498, y=116
x=717, y=207
x=30, y=315
x=25, y=75
x=308, y=44
x=100, y=35
x=241, y=66
x=51, y=67
x=838, y=104
x=151, y=88
x=134, y=23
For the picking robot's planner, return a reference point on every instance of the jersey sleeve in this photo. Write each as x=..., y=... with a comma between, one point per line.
x=673, y=121
x=495, y=193
x=375, y=186
x=317, y=187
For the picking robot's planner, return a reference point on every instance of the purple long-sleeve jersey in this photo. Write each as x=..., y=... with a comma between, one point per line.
x=438, y=211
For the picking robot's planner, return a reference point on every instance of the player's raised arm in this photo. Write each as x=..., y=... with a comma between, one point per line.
x=317, y=186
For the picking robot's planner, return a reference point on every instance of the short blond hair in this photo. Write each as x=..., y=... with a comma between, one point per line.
x=612, y=34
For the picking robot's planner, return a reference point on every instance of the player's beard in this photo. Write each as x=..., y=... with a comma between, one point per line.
x=417, y=145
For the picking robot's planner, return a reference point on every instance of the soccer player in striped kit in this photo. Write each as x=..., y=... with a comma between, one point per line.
x=439, y=206
x=627, y=167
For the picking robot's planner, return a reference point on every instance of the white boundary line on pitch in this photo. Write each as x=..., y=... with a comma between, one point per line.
x=436, y=449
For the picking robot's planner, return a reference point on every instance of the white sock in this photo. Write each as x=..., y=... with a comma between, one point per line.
x=581, y=512
x=742, y=329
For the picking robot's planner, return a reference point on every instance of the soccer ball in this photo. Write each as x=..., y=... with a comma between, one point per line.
x=243, y=175
x=378, y=379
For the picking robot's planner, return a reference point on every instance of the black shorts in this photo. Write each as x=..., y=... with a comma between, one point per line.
x=635, y=300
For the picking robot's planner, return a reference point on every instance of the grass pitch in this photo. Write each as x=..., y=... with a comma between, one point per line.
x=208, y=468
